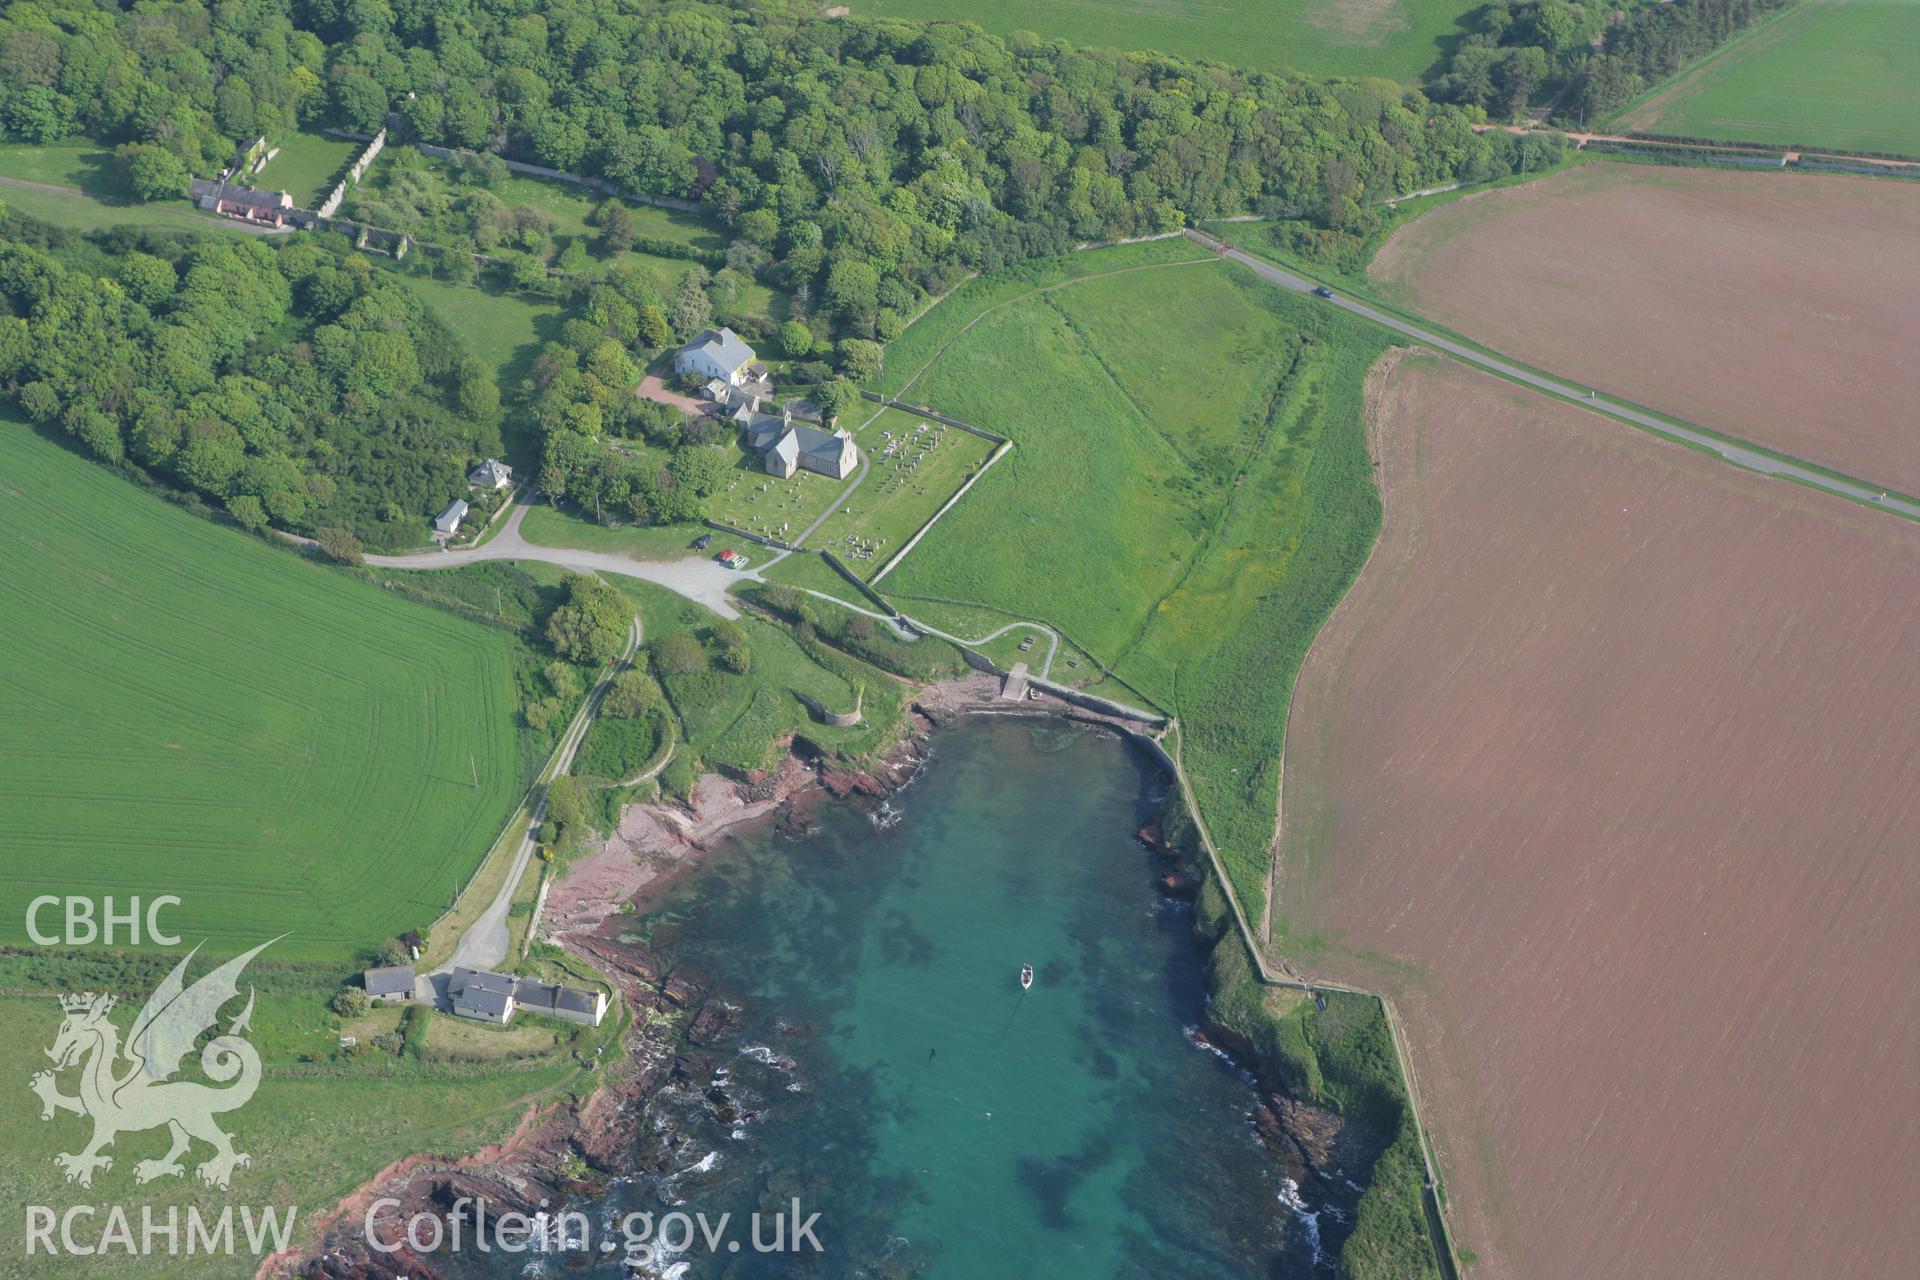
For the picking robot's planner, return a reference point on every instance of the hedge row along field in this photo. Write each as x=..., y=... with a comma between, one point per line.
x=1188, y=496
x=185, y=711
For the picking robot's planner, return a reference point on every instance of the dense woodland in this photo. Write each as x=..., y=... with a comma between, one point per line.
x=862, y=163
x=858, y=165
x=290, y=384
x=1588, y=58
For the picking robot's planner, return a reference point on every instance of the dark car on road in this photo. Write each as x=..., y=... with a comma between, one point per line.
x=1321, y=291
x=702, y=542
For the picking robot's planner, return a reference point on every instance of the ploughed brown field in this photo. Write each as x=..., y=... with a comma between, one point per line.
x=1608, y=770
x=1782, y=308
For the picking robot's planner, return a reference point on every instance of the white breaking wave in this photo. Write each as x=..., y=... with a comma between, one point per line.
x=762, y=1054
x=1307, y=1218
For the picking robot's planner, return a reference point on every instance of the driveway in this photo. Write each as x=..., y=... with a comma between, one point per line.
x=484, y=944
x=653, y=387
x=696, y=577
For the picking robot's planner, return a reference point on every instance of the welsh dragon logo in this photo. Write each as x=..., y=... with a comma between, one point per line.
x=131, y=1089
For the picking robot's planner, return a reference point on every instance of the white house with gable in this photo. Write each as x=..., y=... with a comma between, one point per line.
x=491, y=474
x=716, y=353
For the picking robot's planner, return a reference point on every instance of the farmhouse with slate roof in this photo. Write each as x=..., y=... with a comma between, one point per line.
x=244, y=203
x=716, y=353
x=391, y=985
x=495, y=997
x=484, y=997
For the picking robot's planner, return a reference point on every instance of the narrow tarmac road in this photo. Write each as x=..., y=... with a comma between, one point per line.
x=695, y=577
x=484, y=944
x=1739, y=455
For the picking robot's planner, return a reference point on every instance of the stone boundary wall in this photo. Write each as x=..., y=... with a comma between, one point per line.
x=760, y=538
x=945, y=507
x=838, y=566
x=542, y=171
x=331, y=205
x=1085, y=245
x=839, y=719
x=925, y=412
x=1076, y=697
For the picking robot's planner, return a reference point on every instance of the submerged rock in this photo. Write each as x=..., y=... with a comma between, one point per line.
x=1179, y=884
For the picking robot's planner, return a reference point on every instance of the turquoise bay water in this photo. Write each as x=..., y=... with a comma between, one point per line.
x=890, y=1073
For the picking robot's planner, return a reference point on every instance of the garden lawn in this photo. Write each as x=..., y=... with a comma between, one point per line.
x=185, y=710
x=1188, y=497
x=569, y=205
x=1830, y=73
x=1398, y=39
x=308, y=167
x=88, y=166
x=914, y=466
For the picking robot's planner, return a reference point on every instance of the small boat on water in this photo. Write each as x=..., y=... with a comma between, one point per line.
x=1026, y=976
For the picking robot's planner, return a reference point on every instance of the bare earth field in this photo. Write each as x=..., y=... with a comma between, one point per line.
x=1608, y=770
x=1780, y=308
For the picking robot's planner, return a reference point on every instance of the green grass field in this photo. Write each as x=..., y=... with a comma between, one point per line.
x=94, y=192
x=1398, y=39
x=86, y=165
x=1189, y=497
x=739, y=719
x=501, y=327
x=184, y=710
x=309, y=166
x=325, y=1118
x=1099, y=497
x=1831, y=73
x=912, y=472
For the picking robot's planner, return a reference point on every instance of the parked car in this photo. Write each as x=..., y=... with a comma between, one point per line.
x=702, y=542
x=1321, y=291
x=732, y=559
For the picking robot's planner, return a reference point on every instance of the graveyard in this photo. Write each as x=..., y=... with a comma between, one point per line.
x=914, y=466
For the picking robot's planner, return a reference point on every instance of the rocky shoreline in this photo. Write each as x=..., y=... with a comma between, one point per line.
x=676, y=1016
